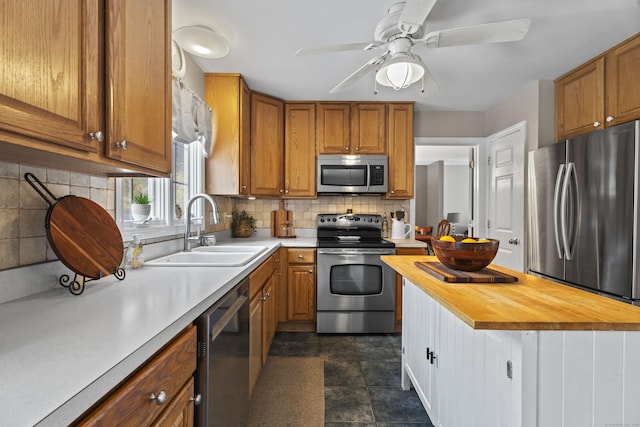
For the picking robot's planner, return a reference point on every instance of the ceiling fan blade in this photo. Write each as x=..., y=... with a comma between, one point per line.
x=498, y=32
x=339, y=48
x=360, y=72
x=414, y=14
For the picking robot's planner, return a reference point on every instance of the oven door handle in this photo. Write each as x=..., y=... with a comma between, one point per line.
x=361, y=251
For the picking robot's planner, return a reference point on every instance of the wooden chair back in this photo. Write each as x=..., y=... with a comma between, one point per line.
x=443, y=228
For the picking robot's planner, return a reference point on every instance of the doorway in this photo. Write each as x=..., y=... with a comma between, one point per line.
x=448, y=176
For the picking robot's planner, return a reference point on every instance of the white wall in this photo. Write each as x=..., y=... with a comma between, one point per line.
x=456, y=194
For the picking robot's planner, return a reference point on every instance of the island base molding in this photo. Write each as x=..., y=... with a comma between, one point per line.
x=469, y=377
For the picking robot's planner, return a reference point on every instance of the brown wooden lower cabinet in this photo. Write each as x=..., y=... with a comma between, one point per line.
x=263, y=318
x=159, y=393
x=301, y=285
x=403, y=251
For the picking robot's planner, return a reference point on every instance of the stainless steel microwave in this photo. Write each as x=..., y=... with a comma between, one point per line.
x=352, y=174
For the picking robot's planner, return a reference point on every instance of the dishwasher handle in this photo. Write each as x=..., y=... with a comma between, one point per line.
x=218, y=327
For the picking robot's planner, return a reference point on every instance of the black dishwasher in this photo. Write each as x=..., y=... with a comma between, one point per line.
x=222, y=376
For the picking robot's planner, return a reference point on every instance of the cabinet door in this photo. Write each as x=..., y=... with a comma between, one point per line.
x=269, y=316
x=333, y=132
x=300, y=150
x=368, y=129
x=400, y=147
x=50, y=78
x=580, y=100
x=267, y=145
x=180, y=411
x=227, y=170
x=417, y=338
x=301, y=288
x=255, y=340
x=623, y=83
x=138, y=83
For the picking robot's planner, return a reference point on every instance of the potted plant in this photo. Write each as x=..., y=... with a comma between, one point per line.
x=141, y=207
x=242, y=224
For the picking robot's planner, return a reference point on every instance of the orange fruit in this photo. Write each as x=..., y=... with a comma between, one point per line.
x=483, y=240
x=468, y=240
x=447, y=239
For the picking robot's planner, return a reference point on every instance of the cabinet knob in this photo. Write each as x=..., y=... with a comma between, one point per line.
x=244, y=187
x=160, y=398
x=196, y=400
x=346, y=148
x=393, y=191
x=357, y=148
x=610, y=119
x=97, y=135
x=263, y=298
x=596, y=124
x=122, y=144
x=281, y=190
x=310, y=271
x=286, y=191
x=300, y=257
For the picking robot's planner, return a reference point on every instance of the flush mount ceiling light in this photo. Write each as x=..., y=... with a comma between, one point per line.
x=201, y=41
x=401, y=71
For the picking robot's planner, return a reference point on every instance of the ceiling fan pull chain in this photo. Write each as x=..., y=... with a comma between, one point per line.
x=375, y=86
x=422, y=90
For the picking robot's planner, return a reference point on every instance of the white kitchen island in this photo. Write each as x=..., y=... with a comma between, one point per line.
x=533, y=353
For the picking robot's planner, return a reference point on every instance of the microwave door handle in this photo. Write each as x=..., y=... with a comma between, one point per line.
x=556, y=209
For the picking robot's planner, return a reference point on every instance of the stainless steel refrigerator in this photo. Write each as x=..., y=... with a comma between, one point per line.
x=583, y=211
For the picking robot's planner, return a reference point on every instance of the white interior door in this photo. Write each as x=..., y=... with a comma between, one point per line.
x=506, y=195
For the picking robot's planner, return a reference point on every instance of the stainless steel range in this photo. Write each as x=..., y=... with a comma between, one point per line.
x=355, y=290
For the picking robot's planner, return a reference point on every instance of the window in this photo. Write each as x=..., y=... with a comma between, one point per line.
x=169, y=196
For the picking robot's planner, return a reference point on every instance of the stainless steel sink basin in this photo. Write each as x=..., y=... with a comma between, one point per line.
x=210, y=256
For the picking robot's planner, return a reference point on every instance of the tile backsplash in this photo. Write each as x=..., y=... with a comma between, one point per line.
x=306, y=211
x=23, y=238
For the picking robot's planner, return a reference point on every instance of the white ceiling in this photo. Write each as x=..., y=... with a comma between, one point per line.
x=265, y=34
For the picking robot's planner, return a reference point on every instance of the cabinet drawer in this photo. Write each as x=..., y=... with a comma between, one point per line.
x=130, y=405
x=260, y=275
x=301, y=256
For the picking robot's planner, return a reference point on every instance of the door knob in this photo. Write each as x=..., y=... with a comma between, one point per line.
x=514, y=241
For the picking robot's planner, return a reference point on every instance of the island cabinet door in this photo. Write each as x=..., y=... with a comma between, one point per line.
x=418, y=328
x=475, y=376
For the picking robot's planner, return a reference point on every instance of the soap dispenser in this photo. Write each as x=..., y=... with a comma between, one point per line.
x=135, y=255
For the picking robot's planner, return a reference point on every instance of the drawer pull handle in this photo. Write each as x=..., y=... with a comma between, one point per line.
x=122, y=144
x=196, y=400
x=160, y=398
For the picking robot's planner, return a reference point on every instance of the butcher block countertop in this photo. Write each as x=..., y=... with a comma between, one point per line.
x=532, y=303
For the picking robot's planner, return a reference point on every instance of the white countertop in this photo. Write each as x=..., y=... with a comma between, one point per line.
x=60, y=353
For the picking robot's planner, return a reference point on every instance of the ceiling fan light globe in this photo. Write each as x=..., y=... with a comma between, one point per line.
x=399, y=75
x=201, y=41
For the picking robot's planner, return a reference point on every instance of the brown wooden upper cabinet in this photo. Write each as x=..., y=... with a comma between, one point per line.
x=600, y=93
x=351, y=128
x=228, y=169
x=267, y=145
x=93, y=84
x=401, y=151
x=299, y=150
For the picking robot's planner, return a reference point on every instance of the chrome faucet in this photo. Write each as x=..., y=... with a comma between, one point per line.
x=216, y=217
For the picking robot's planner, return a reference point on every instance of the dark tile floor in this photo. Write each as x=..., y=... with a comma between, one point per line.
x=361, y=378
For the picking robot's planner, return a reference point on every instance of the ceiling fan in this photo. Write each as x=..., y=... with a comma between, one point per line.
x=402, y=29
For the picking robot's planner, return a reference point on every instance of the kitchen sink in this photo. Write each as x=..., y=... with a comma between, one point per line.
x=210, y=256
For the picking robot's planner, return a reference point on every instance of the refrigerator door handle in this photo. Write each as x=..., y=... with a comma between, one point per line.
x=556, y=209
x=567, y=211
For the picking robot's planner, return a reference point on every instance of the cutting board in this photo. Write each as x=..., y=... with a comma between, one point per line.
x=486, y=275
x=280, y=217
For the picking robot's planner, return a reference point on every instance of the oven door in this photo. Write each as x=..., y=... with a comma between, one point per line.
x=354, y=279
